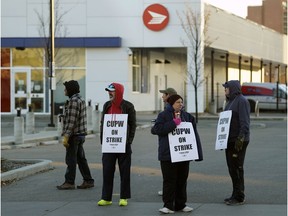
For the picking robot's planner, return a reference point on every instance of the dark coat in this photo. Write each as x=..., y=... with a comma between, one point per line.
x=127, y=108
x=164, y=125
x=240, y=121
x=120, y=106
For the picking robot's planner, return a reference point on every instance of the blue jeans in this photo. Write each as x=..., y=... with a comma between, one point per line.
x=75, y=155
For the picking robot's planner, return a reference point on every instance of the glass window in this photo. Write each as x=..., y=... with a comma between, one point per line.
x=27, y=57
x=37, y=104
x=144, y=71
x=5, y=90
x=20, y=83
x=70, y=57
x=20, y=102
x=140, y=71
x=37, y=81
x=5, y=57
x=136, y=79
x=63, y=75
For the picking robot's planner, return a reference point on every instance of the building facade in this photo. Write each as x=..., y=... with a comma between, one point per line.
x=272, y=14
x=140, y=44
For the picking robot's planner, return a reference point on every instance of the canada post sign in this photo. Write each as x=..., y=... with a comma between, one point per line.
x=156, y=17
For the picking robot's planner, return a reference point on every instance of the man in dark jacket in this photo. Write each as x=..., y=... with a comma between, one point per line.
x=74, y=132
x=117, y=105
x=239, y=136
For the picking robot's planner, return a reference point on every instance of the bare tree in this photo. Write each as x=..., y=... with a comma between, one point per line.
x=60, y=31
x=195, y=27
x=63, y=57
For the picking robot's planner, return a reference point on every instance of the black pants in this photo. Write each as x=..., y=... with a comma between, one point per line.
x=235, y=163
x=175, y=184
x=75, y=155
x=109, y=165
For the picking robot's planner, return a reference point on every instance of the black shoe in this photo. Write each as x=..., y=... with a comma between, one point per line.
x=85, y=185
x=234, y=202
x=227, y=199
x=66, y=186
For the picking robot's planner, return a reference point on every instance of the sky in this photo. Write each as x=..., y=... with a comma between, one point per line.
x=238, y=7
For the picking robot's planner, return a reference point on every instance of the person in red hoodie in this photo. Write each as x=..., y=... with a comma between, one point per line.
x=117, y=105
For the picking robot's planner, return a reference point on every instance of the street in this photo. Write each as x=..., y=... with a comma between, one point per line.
x=265, y=169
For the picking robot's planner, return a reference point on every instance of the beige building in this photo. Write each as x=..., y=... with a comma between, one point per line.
x=272, y=14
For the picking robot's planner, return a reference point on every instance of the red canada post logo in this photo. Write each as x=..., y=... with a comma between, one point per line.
x=156, y=17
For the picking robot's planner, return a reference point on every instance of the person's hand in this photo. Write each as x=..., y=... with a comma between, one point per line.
x=177, y=121
x=65, y=141
x=239, y=143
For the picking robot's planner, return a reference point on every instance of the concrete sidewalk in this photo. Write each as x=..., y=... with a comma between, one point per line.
x=90, y=208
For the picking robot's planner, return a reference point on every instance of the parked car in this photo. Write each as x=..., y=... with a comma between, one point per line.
x=264, y=95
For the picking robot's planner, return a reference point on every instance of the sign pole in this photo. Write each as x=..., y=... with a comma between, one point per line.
x=52, y=65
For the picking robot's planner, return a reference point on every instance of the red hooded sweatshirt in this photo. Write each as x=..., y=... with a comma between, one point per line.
x=119, y=91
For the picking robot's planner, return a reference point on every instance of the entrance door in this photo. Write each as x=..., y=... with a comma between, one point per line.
x=21, y=89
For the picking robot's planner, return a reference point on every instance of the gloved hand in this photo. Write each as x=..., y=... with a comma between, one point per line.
x=177, y=121
x=239, y=143
x=65, y=141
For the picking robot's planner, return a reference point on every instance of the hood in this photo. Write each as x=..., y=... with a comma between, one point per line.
x=234, y=88
x=72, y=87
x=119, y=91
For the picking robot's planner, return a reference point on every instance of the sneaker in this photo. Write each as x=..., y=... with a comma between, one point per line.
x=66, y=186
x=85, y=185
x=187, y=209
x=123, y=202
x=160, y=193
x=234, y=202
x=166, y=211
x=104, y=203
x=227, y=199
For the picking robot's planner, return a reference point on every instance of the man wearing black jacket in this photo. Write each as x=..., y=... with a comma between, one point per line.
x=239, y=136
x=117, y=105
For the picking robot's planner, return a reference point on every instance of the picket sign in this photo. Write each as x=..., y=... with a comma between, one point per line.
x=182, y=143
x=114, y=133
x=223, y=130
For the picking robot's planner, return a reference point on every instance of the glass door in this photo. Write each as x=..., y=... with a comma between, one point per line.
x=21, y=95
x=37, y=91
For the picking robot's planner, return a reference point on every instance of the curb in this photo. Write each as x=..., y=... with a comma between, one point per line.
x=38, y=166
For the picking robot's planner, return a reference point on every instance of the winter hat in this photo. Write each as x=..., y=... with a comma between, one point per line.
x=72, y=87
x=173, y=98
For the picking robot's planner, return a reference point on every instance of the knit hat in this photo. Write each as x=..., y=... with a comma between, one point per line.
x=173, y=98
x=72, y=87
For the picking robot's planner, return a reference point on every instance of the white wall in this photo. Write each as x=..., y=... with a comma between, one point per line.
x=239, y=35
x=105, y=66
